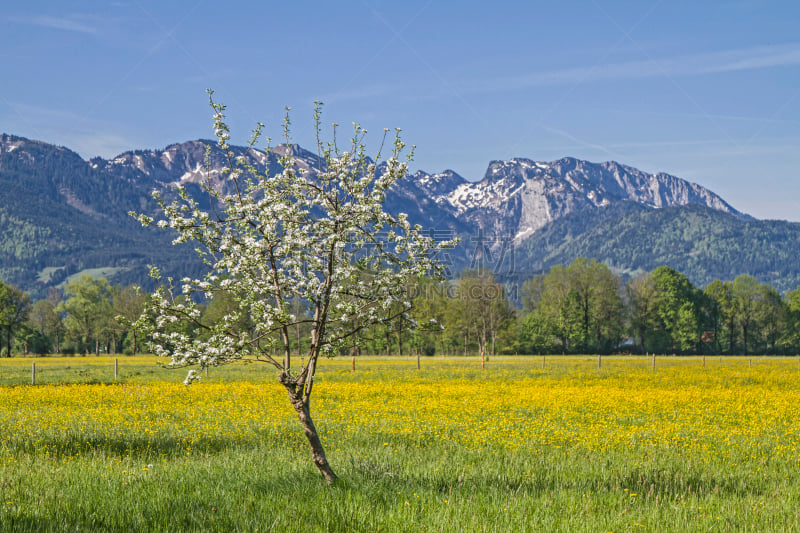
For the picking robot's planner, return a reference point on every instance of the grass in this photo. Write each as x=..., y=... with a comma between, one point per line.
x=451, y=448
x=46, y=274
x=96, y=273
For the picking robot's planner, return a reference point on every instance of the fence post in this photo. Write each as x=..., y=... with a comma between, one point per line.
x=33, y=373
x=599, y=361
x=116, y=368
x=654, y=360
x=543, y=362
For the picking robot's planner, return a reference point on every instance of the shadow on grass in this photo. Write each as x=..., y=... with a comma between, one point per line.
x=126, y=446
x=666, y=483
x=10, y=522
x=369, y=496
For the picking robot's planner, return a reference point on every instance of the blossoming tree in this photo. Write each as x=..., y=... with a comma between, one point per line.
x=320, y=236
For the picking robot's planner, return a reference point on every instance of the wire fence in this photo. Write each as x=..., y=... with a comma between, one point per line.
x=65, y=370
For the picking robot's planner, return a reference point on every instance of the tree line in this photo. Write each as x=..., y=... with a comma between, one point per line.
x=88, y=316
x=583, y=307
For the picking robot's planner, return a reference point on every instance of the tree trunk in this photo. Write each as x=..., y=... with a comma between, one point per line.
x=304, y=415
x=482, y=340
x=731, y=337
x=744, y=338
x=299, y=344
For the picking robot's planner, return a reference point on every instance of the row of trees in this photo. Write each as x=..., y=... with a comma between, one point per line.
x=584, y=307
x=89, y=316
x=580, y=308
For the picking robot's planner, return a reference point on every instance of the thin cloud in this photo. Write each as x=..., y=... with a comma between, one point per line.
x=57, y=126
x=759, y=57
x=45, y=115
x=699, y=64
x=59, y=23
x=585, y=144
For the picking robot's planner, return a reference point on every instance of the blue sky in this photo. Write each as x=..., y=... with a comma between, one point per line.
x=708, y=91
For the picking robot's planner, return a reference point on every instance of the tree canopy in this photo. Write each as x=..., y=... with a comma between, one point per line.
x=14, y=307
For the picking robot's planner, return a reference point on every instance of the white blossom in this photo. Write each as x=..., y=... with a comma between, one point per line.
x=320, y=239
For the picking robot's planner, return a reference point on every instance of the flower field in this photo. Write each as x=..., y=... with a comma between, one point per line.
x=515, y=447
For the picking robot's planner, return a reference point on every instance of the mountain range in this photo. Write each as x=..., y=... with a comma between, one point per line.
x=61, y=216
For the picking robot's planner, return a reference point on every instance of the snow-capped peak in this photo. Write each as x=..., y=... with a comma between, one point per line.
x=518, y=196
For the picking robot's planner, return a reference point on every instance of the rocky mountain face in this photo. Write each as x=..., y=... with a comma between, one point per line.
x=185, y=164
x=515, y=198
x=518, y=197
x=49, y=190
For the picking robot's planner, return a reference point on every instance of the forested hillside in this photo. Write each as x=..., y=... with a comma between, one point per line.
x=704, y=244
x=62, y=216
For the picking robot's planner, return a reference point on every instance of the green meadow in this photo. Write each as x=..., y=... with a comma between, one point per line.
x=527, y=444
